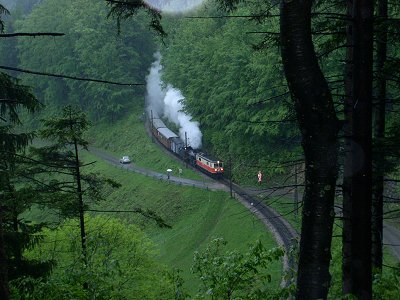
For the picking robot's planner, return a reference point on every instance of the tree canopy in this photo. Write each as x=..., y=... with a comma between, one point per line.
x=91, y=48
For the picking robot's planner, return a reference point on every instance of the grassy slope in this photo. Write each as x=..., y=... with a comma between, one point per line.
x=128, y=137
x=196, y=216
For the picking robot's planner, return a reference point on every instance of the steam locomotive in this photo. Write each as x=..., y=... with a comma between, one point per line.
x=174, y=143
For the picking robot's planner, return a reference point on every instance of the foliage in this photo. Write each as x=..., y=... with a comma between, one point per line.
x=387, y=286
x=121, y=264
x=66, y=181
x=15, y=234
x=237, y=94
x=233, y=275
x=3, y=11
x=175, y=278
x=67, y=129
x=196, y=216
x=19, y=233
x=123, y=10
x=91, y=48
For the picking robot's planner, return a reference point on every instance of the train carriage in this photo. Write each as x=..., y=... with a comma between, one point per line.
x=156, y=124
x=209, y=164
x=172, y=142
x=177, y=146
x=164, y=135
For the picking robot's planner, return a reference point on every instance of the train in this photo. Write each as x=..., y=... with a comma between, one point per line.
x=195, y=157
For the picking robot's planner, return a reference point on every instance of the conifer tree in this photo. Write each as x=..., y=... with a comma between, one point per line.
x=13, y=96
x=69, y=189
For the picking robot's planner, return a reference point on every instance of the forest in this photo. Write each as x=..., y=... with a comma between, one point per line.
x=306, y=91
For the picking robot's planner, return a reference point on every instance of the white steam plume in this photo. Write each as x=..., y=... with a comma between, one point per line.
x=168, y=102
x=174, y=6
x=155, y=92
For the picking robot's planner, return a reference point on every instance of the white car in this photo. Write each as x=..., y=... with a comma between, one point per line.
x=125, y=160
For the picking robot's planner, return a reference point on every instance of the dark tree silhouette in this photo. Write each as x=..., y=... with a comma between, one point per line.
x=319, y=129
x=361, y=150
x=347, y=168
x=379, y=135
x=14, y=97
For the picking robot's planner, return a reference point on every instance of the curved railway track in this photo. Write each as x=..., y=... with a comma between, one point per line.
x=282, y=231
x=284, y=234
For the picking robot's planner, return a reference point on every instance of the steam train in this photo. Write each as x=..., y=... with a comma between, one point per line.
x=174, y=143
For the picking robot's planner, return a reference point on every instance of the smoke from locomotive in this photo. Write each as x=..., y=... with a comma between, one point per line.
x=167, y=101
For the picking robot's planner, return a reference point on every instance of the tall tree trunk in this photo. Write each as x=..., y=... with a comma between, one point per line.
x=4, y=291
x=348, y=167
x=319, y=127
x=379, y=134
x=79, y=193
x=81, y=210
x=81, y=205
x=362, y=150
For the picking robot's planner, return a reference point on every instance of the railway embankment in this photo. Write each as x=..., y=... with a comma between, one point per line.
x=283, y=232
x=285, y=235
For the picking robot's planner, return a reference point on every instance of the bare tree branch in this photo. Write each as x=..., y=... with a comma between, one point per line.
x=33, y=34
x=69, y=77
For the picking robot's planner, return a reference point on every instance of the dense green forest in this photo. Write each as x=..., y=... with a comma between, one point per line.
x=238, y=94
x=39, y=227
x=292, y=90
x=91, y=48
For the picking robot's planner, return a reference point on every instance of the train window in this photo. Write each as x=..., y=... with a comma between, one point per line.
x=220, y=165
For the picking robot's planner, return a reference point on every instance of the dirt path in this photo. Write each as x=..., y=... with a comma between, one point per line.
x=283, y=232
x=211, y=185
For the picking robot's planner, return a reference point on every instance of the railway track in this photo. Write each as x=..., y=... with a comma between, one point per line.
x=285, y=235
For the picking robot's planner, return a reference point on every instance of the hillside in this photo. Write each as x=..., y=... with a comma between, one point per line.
x=288, y=92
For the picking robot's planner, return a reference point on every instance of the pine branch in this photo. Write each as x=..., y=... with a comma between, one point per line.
x=392, y=199
x=69, y=77
x=327, y=15
x=314, y=32
x=129, y=3
x=264, y=32
x=267, y=100
x=33, y=34
x=391, y=180
x=267, y=121
x=331, y=50
x=232, y=17
x=49, y=187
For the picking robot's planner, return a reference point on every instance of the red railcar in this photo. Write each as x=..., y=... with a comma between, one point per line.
x=171, y=141
x=209, y=164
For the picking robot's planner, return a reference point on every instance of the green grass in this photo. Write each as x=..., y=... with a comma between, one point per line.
x=196, y=216
x=128, y=136
x=285, y=207
x=219, y=217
